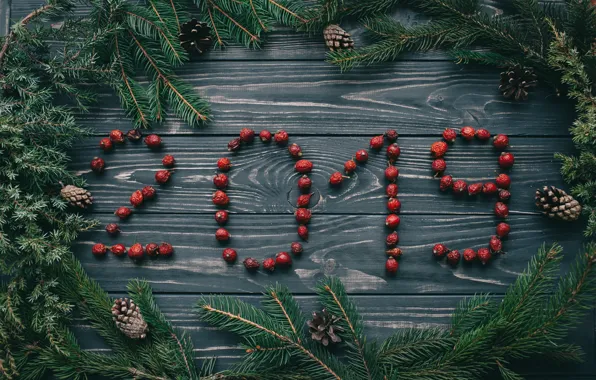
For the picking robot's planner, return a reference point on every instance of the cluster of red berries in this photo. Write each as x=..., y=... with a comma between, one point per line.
x=302, y=214
x=499, y=188
x=393, y=203
x=138, y=197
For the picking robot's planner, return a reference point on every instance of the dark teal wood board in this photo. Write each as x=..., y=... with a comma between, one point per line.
x=287, y=85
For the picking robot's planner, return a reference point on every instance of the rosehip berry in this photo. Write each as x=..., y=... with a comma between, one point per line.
x=467, y=133
x=224, y=164
x=501, y=210
x=439, y=165
x=303, y=232
x=148, y=192
x=501, y=142
x=303, y=215
x=153, y=141
x=220, y=181
x=391, y=135
x=495, y=244
x=489, y=188
x=118, y=249
x=449, y=135
x=98, y=165
x=506, y=160
x=106, y=144
x=393, y=152
x=229, y=255
x=269, y=264
x=453, y=257
x=234, y=145
x=482, y=135
x=303, y=200
x=220, y=198
x=446, y=183
x=166, y=249
x=134, y=135
x=392, y=221
x=469, y=255
x=136, y=199
x=350, y=166
x=504, y=195
x=283, y=259
x=168, y=161
x=221, y=217
x=484, y=255
x=336, y=179
x=391, y=265
x=123, y=212
x=113, y=229
x=222, y=234
x=136, y=251
x=247, y=135
x=99, y=249
x=361, y=156
x=303, y=166
x=460, y=187
x=394, y=252
x=304, y=183
x=281, y=137
x=503, y=230
x=392, y=239
x=438, y=149
x=391, y=173
x=394, y=205
x=265, y=136
x=474, y=189
x=377, y=142
x=503, y=181
x=251, y=264
x=391, y=190
x=117, y=136
x=162, y=176
x=296, y=248
x=152, y=249
x=295, y=150
x=440, y=250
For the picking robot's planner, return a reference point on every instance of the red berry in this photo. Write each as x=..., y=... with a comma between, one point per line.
x=392, y=239
x=152, y=249
x=136, y=199
x=484, y=255
x=391, y=190
x=148, y=192
x=136, y=251
x=251, y=264
x=377, y=142
x=247, y=135
x=296, y=248
x=134, y=135
x=123, y=212
x=438, y=149
x=98, y=165
x=118, y=249
x=506, y=160
x=495, y=244
x=265, y=136
x=220, y=181
x=501, y=210
x=391, y=135
x=303, y=215
x=460, y=187
x=168, y=161
x=482, y=135
x=446, y=183
x=467, y=133
x=474, y=189
x=117, y=136
x=453, y=257
x=503, y=230
x=350, y=166
x=99, y=249
x=162, y=176
x=469, y=255
x=440, y=250
x=222, y=234
x=503, y=181
x=393, y=152
x=153, y=141
x=303, y=166
x=439, y=165
x=112, y=229
x=269, y=264
x=281, y=137
x=106, y=144
x=392, y=221
x=220, y=198
x=221, y=217
x=391, y=265
x=229, y=255
x=394, y=205
x=234, y=145
x=361, y=156
x=166, y=249
x=283, y=259
x=504, y=195
x=501, y=142
x=336, y=179
x=303, y=232
x=224, y=164
x=303, y=200
x=449, y=135
x=295, y=150
x=489, y=188
x=304, y=183
x=394, y=252
x=391, y=173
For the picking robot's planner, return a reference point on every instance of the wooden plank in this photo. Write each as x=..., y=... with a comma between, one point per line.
x=382, y=315
x=348, y=246
x=263, y=178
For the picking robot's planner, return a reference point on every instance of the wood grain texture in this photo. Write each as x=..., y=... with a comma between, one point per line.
x=351, y=247
x=263, y=178
x=382, y=315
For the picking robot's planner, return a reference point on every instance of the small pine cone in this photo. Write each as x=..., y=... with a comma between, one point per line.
x=128, y=318
x=77, y=196
x=517, y=81
x=195, y=36
x=337, y=39
x=555, y=203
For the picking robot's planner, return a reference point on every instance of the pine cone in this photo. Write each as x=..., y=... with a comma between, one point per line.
x=195, y=36
x=128, y=318
x=77, y=196
x=337, y=39
x=555, y=202
x=516, y=81
x=323, y=327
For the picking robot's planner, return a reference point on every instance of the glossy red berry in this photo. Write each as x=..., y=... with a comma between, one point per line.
x=393, y=152
x=460, y=187
x=168, y=161
x=162, y=176
x=153, y=141
x=446, y=183
x=449, y=135
x=501, y=142
x=222, y=234
x=503, y=230
x=391, y=173
x=221, y=217
x=391, y=190
x=361, y=156
x=506, y=160
x=224, y=164
x=394, y=205
x=391, y=265
x=377, y=142
x=117, y=136
x=350, y=166
x=152, y=249
x=495, y=244
x=453, y=257
x=394, y=252
x=489, y=188
x=229, y=255
x=123, y=212
x=303, y=232
x=392, y=221
x=474, y=189
x=484, y=255
x=303, y=215
x=166, y=249
x=438, y=149
x=281, y=137
x=503, y=181
x=220, y=198
x=99, y=249
x=336, y=179
x=118, y=249
x=269, y=264
x=136, y=199
x=247, y=135
x=283, y=259
x=220, y=181
x=106, y=144
x=295, y=150
x=113, y=229
x=467, y=133
x=469, y=255
x=303, y=166
x=440, y=250
x=392, y=239
x=303, y=200
x=98, y=165
x=251, y=264
x=265, y=136
x=148, y=192
x=234, y=145
x=134, y=135
x=439, y=165
x=391, y=135
x=501, y=210
x=304, y=183
x=482, y=135
x=136, y=251
x=296, y=248
x=504, y=195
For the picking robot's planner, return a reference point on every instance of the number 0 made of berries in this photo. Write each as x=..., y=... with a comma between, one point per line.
x=302, y=214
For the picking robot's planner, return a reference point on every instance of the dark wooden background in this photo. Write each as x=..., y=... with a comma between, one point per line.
x=287, y=85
